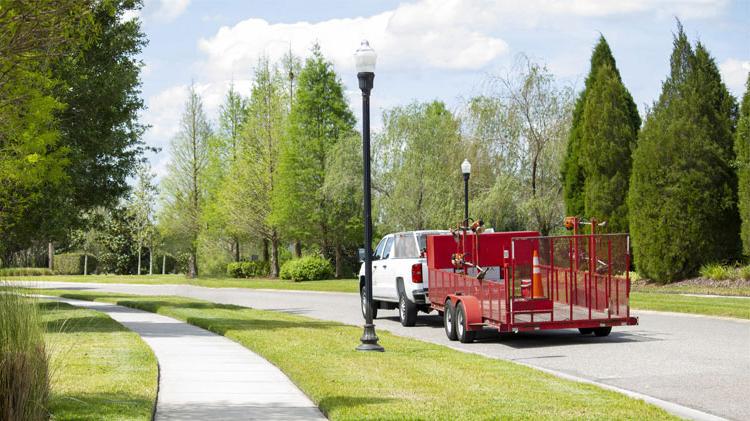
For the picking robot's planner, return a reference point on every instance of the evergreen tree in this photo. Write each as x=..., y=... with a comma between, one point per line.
x=742, y=148
x=682, y=200
x=609, y=128
x=185, y=184
x=572, y=170
x=319, y=119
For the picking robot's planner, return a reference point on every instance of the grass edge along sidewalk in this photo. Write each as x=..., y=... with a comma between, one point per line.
x=413, y=379
x=99, y=369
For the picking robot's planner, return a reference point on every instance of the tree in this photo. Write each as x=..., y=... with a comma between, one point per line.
x=185, y=184
x=417, y=171
x=537, y=113
x=572, y=169
x=742, y=148
x=683, y=188
x=141, y=212
x=610, y=125
x=320, y=117
x=246, y=196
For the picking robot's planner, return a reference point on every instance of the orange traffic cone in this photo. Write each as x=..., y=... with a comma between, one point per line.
x=537, y=289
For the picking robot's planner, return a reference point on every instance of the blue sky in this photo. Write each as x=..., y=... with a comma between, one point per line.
x=427, y=49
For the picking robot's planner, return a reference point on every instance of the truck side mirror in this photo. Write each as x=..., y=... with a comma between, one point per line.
x=361, y=253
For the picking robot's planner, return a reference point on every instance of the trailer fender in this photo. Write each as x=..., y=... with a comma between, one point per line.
x=472, y=308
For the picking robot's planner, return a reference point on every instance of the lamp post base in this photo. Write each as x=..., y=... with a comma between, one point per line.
x=370, y=340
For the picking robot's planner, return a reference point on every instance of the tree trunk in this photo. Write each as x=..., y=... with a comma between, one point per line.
x=192, y=265
x=151, y=260
x=265, y=249
x=236, y=250
x=298, y=249
x=85, y=264
x=339, y=262
x=164, y=265
x=274, y=255
x=51, y=255
x=139, y=259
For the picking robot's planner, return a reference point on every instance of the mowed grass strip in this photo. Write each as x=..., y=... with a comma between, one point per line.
x=710, y=306
x=99, y=369
x=329, y=285
x=411, y=380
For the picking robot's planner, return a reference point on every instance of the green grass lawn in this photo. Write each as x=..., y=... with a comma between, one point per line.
x=711, y=306
x=412, y=380
x=331, y=285
x=99, y=369
x=681, y=288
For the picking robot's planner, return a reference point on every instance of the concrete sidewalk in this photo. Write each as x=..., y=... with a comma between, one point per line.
x=206, y=376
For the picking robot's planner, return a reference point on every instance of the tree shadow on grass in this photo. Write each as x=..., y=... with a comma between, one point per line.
x=78, y=323
x=101, y=406
x=332, y=403
x=223, y=325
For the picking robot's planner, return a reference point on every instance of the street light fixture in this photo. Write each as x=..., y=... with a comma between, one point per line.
x=365, y=58
x=466, y=170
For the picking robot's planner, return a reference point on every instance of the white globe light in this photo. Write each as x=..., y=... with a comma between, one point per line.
x=365, y=58
x=466, y=167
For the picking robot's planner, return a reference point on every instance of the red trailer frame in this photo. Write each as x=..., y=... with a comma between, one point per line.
x=585, y=280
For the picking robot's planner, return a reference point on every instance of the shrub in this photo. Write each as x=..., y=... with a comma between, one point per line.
x=744, y=272
x=24, y=374
x=25, y=272
x=168, y=262
x=718, y=272
x=308, y=268
x=248, y=269
x=72, y=263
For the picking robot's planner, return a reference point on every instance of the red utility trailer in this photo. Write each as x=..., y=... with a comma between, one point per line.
x=521, y=281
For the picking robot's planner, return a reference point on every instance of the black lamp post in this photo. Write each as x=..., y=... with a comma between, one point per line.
x=365, y=58
x=466, y=170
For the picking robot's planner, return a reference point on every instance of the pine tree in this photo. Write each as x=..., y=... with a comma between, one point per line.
x=572, y=171
x=742, y=148
x=683, y=188
x=609, y=129
x=319, y=119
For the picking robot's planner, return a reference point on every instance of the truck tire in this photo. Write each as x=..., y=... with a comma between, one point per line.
x=602, y=331
x=407, y=311
x=448, y=322
x=586, y=330
x=363, y=301
x=463, y=333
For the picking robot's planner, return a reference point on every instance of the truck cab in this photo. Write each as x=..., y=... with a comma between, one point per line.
x=399, y=275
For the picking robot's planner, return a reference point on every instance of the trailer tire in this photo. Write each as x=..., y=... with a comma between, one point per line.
x=586, y=330
x=448, y=323
x=363, y=305
x=407, y=311
x=602, y=331
x=463, y=333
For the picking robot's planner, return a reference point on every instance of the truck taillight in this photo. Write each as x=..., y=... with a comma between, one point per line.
x=416, y=273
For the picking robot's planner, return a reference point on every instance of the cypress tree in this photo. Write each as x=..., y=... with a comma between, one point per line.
x=610, y=126
x=742, y=148
x=683, y=188
x=572, y=170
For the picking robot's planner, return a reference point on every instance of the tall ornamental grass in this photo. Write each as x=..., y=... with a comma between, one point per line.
x=24, y=375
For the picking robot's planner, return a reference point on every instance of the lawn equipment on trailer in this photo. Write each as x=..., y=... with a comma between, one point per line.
x=522, y=281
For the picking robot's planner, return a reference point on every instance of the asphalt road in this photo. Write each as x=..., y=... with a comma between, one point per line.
x=697, y=362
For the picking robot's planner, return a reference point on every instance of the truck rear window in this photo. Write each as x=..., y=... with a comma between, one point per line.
x=406, y=247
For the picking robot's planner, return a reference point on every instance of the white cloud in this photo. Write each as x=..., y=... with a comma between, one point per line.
x=734, y=72
x=169, y=10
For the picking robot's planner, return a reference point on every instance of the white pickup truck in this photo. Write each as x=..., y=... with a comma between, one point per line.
x=399, y=275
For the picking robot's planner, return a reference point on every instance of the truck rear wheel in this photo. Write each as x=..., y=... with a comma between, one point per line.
x=363, y=300
x=462, y=330
x=448, y=322
x=602, y=331
x=586, y=330
x=407, y=311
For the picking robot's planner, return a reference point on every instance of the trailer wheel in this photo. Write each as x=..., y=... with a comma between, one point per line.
x=448, y=322
x=462, y=330
x=586, y=330
x=407, y=311
x=363, y=300
x=602, y=331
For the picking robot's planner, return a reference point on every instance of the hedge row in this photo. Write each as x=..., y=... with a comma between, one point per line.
x=73, y=263
x=25, y=272
x=309, y=268
x=248, y=269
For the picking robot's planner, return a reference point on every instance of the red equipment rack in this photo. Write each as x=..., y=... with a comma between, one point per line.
x=585, y=282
